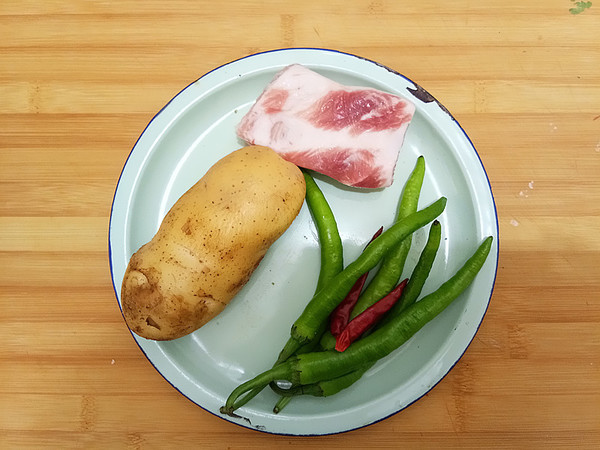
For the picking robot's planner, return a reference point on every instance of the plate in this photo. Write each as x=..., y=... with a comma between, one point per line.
x=197, y=128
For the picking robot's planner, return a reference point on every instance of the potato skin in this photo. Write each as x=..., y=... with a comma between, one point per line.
x=210, y=242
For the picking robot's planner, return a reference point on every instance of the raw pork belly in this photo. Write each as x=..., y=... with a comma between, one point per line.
x=351, y=134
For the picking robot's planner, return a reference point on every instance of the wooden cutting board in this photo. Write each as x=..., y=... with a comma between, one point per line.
x=79, y=81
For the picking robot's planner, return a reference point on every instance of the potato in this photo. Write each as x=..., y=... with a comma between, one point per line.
x=210, y=242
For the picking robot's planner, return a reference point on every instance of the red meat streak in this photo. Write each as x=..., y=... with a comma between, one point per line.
x=347, y=165
x=359, y=111
x=274, y=100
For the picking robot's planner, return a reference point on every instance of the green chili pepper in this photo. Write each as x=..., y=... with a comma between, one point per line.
x=332, y=252
x=392, y=264
x=330, y=242
x=315, y=367
x=421, y=271
x=305, y=328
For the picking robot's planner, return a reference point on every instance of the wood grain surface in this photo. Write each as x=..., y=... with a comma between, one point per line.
x=79, y=81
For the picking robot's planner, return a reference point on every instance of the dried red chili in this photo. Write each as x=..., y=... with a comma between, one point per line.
x=369, y=317
x=341, y=314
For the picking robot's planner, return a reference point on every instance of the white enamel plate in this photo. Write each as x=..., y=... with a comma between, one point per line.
x=196, y=129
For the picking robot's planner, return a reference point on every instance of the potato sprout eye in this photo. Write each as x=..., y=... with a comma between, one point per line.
x=152, y=323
